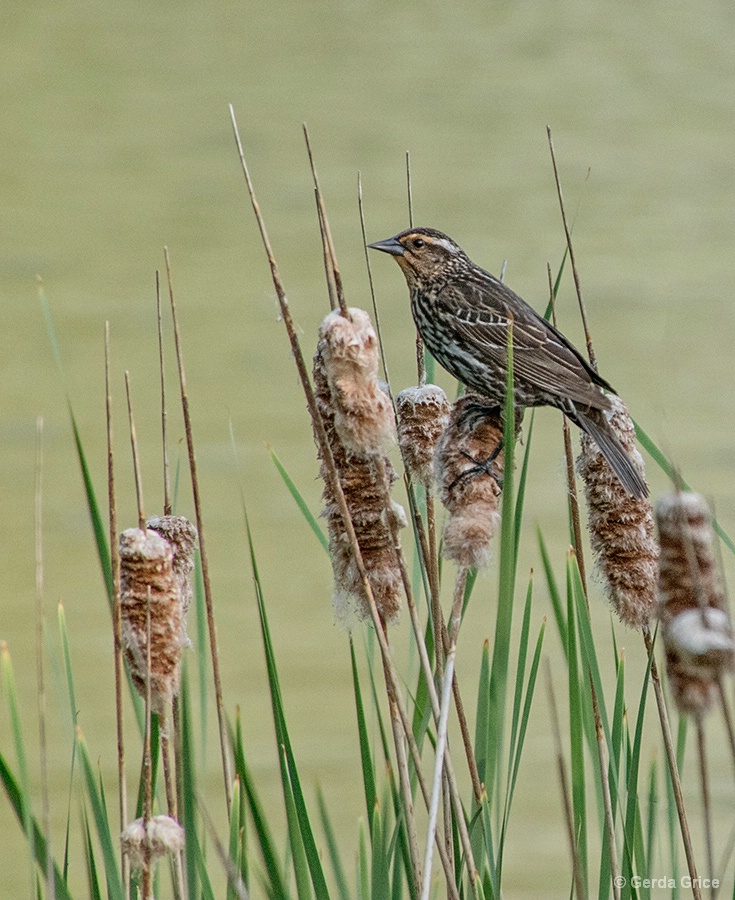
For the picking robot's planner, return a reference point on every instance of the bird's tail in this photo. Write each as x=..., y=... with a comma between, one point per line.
x=594, y=423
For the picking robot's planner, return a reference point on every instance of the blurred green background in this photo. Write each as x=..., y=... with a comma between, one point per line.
x=116, y=141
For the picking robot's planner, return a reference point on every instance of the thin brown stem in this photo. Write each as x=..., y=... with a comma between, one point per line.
x=673, y=768
x=136, y=460
x=116, y=614
x=164, y=435
x=371, y=284
x=706, y=808
x=328, y=271
x=327, y=231
x=147, y=885
x=167, y=756
x=575, y=273
x=727, y=718
x=208, y=599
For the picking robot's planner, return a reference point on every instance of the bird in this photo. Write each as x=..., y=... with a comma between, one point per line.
x=464, y=316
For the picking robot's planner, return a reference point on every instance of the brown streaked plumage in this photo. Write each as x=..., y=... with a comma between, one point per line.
x=463, y=314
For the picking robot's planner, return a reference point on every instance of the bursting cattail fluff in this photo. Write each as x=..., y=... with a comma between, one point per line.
x=621, y=525
x=692, y=606
x=145, y=842
x=423, y=415
x=469, y=470
x=363, y=415
x=182, y=535
x=358, y=420
x=146, y=569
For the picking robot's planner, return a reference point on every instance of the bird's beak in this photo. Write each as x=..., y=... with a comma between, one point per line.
x=391, y=245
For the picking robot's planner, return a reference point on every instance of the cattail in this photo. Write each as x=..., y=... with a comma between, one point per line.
x=364, y=474
x=145, y=842
x=146, y=571
x=423, y=414
x=469, y=468
x=182, y=535
x=621, y=525
x=363, y=415
x=692, y=606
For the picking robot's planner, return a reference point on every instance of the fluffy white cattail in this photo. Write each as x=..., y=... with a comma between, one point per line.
x=358, y=419
x=147, y=576
x=621, y=525
x=469, y=469
x=423, y=414
x=363, y=415
x=692, y=607
x=144, y=844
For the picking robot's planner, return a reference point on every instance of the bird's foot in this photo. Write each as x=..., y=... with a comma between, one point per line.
x=480, y=467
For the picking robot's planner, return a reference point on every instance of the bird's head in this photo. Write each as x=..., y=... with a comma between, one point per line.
x=423, y=254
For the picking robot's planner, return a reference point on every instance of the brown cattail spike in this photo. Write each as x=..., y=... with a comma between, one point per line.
x=621, y=525
x=363, y=415
x=469, y=468
x=364, y=488
x=146, y=570
x=182, y=535
x=423, y=415
x=692, y=606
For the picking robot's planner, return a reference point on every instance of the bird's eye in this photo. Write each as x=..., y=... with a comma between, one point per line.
x=418, y=243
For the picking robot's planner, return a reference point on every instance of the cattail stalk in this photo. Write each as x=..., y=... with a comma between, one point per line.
x=208, y=598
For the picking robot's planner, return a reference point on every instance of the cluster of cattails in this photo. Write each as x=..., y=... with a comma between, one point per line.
x=469, y=470
x=358, y=419
x=621, y=525
x=155, y=590
x=692, y=606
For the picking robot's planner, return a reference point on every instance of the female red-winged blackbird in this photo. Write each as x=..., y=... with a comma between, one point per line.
x=463, y=314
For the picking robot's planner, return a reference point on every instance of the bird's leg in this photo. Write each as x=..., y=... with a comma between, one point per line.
x=480, y=467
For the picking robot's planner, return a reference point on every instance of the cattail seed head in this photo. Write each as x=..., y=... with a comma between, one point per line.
x=423, y=414
x=469, y=470
x=692, y=606
x=621, y=525
x=144, y=844
x=360, y=472
x=182, y=535
x=363, y=415
x=146, y=570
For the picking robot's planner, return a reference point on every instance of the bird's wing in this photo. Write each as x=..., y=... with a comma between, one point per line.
x=483, y=307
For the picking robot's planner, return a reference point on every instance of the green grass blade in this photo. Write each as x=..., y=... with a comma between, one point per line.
x=20, y=806
x=363, y=866
x=189, y=777
x=557, y=604
x=275, y=883
x=576, y=732
x=379, y=880
x=366, y=757
x=340, y=878
x=296, y=843
x=521, y=492
x=234, y=845
x=102, y=825
x=290, y=777
x=93, y=884
x=300, y=502
x=506, y=591
x=482, y=737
